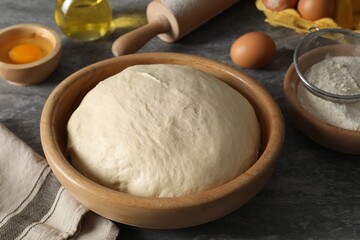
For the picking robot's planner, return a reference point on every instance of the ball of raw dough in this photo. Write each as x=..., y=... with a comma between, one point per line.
x=163, y=131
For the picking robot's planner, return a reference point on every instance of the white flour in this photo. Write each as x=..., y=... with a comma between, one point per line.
x=339, y=75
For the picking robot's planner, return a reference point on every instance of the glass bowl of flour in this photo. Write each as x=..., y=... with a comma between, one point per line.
x=322, y=88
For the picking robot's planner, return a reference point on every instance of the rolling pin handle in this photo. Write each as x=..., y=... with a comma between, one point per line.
x=134, y=40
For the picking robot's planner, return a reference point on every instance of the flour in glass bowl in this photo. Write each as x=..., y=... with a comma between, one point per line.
x=339, y=75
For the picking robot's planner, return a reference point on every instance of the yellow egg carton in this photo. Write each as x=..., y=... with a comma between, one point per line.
x=347, y=15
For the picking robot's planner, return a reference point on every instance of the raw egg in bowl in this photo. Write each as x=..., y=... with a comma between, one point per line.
x=28, y=53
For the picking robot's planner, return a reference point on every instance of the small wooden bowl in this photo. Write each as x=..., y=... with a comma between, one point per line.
x=160, y=213
x=34, y=72
x=327, y=135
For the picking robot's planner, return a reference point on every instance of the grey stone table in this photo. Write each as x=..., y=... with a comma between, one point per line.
x=314, y=192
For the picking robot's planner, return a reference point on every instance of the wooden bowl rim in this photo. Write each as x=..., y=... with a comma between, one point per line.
x=58, y=162
x=36, y=28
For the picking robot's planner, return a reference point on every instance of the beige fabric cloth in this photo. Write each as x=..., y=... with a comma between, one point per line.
x=33, y=205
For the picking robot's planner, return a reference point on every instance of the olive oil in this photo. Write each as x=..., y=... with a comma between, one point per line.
x=83, y=20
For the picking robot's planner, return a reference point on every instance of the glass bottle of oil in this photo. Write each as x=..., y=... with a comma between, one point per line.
x=83, y=20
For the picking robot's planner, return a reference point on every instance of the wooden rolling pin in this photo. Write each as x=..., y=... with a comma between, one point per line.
x=170, y=20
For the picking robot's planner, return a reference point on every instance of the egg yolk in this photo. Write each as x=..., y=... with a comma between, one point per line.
x=25, y=53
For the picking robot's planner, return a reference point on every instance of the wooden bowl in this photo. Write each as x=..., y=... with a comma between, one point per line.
x=34, y=72
x=163, y=213
x=325, y=134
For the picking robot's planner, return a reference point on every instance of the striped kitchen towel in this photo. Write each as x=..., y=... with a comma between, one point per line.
x=33, y=205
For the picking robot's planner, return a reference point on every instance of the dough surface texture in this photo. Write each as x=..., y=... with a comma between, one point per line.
x=163, y=131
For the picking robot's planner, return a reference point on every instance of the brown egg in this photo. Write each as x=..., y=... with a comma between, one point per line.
x=316, y=9
x=278, y=5
x=253, y=50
